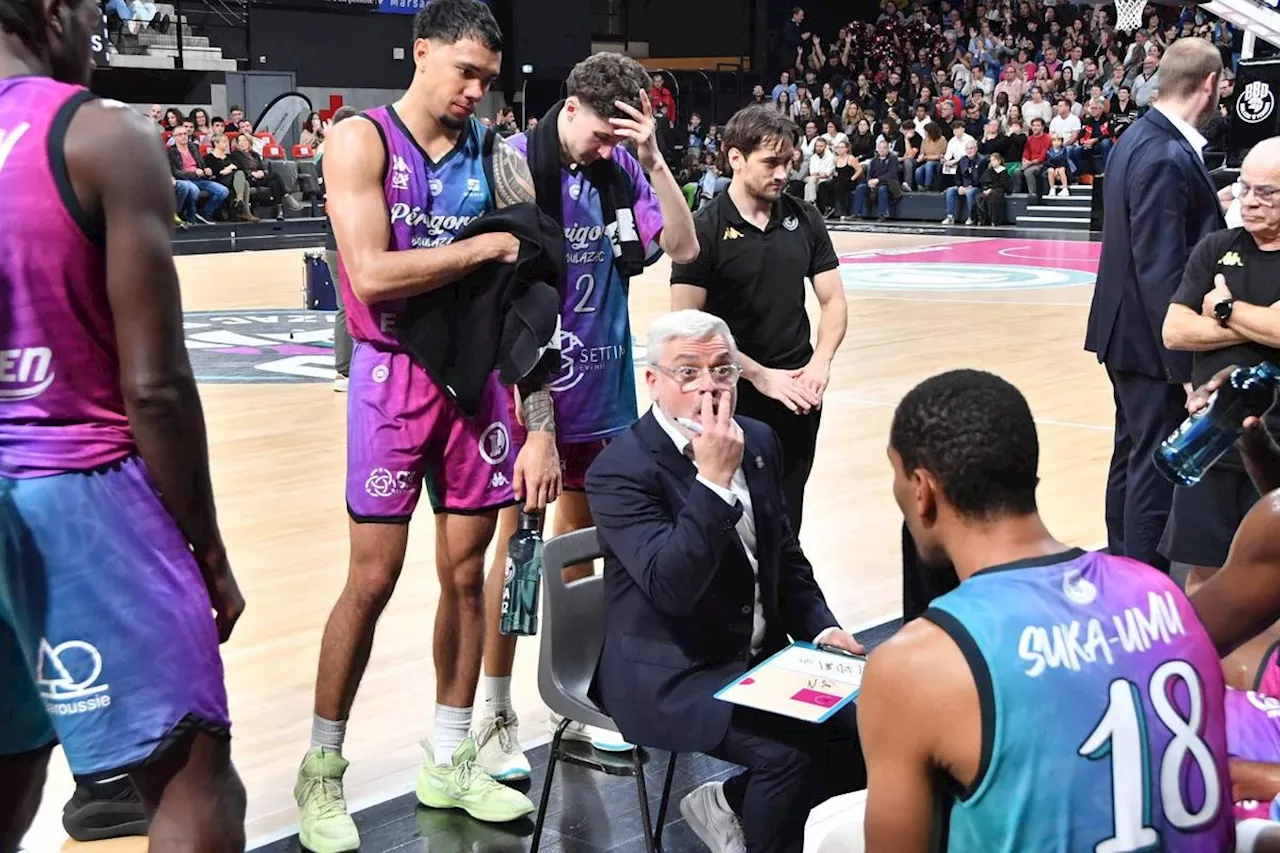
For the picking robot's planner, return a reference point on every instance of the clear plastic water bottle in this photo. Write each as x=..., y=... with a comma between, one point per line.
x=1186, y=455
x=523, y=575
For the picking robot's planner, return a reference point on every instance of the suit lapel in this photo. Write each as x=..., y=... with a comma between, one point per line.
x=664, y=450
x=762, y=509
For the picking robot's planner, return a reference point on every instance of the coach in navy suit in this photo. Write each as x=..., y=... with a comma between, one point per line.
x=704, y=578
x=1159, y=200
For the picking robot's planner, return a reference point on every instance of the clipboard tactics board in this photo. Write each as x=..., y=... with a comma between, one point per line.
x=802, y=681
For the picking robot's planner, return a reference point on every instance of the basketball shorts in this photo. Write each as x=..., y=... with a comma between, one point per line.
x=1253, y=734
x=403, y=432
x=107, y=638
x=1203, y=518
x=575, y=456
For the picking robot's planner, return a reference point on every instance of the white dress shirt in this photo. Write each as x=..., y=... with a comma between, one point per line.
x=1193, y=136
x=737, y=493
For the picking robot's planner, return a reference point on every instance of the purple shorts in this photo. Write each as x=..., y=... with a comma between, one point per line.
x=106, y=635
x=575, y=457
x=1253, y=734
x=403, y=431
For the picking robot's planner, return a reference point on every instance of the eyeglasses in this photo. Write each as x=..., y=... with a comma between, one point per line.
x=1264, y=194
x=725, y=375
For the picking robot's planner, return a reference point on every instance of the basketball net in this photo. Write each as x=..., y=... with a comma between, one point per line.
x=1129, y=14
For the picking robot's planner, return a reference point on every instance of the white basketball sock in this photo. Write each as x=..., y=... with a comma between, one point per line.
x=453, y=726
x=497, y=695
x=328, y=733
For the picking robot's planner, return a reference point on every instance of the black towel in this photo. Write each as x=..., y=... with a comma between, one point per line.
x=610, y=180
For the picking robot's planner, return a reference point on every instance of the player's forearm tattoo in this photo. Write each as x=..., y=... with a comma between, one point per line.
x=512, y=180
x=539, y=414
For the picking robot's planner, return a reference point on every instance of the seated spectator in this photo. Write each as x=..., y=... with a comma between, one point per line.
x=1124, y=106
x=862, y=142
x=1058, y=165
x=974, y=119
x=703, y=577
x=822, y=167
x=694, y=132
x=218, y=125
x=1116, y=82
x=199, y=119
x=173, y=119
x=1037, y=107
x=312, y=132
x=1033, y=156
x=250, y=162
x=1067, y=126
x=711, y=144
x=1012, y=85
x=834, y=195
x=713, y=180
x=890, y=134
x=797, y=172
x=834, y=135
x=246, y=130
x=992, y=140
x=810, y=137
x=156, y=115
x=996, y=184
x=911, y=142
x=1144, y=85
x=932, y=150
x=225, y=171
x=1015, y=117
x=884, y=181
x=1015, y=144
x=955, y=148
x=188, y=167
x=921, y=119
x=968, y=179
x=1096, y=139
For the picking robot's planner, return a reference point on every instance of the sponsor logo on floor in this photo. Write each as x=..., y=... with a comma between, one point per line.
x=996, y=264
x=262, y=346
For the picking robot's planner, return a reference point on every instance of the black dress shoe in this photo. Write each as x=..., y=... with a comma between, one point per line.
x=102, y=810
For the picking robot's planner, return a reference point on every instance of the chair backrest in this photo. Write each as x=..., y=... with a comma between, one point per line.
x=303, y=152
x=272, y=152
x=572, y=628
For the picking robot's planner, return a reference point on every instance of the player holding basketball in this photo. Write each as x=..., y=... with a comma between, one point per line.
x=110, y=554
x=1067, y=701
x=595, y=395
x=402, y=181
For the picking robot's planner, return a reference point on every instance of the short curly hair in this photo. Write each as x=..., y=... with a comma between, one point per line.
x=974, y=432
x=602, y=79
x=451, y=21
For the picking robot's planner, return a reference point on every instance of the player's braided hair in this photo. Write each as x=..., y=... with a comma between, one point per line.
x=451, y=21
x=602, y=79
x=24, y=19
x=973, y=431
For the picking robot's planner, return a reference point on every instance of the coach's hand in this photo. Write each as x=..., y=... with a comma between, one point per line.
x=639, y=129
x=785, y=387
x=718, y=449
x=224, y=592
x=842, y=639
x=536, y=479
x=1219, y=293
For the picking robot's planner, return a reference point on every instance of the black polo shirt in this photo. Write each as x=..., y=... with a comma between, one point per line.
x=755, y=280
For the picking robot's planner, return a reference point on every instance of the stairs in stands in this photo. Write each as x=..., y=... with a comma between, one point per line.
x=1067, y=214
x=161, y=50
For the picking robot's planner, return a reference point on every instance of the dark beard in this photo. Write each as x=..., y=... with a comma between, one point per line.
x=452, y=123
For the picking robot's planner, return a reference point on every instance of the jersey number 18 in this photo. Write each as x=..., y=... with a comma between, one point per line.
x=1121, y=734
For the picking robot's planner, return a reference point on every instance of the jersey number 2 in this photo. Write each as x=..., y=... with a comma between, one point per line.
x=585, y=283
x=1121, y=734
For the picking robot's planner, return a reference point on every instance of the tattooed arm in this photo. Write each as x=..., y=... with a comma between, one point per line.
x=512, y=179
x=353, y=164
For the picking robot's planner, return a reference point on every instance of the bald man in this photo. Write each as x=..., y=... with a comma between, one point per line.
x=1222, y=313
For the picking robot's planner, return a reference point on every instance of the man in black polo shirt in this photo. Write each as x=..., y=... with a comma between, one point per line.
x=1225, y=312
x=757, y=248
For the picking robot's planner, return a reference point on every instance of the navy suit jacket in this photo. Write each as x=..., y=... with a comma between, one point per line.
x=679, y=591
x=1159, y=202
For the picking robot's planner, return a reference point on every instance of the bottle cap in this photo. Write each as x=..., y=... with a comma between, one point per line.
x=530, y=519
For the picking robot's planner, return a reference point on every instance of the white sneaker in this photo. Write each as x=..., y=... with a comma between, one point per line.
x=1065, y=193
x=340, y=383
x=949, y=220
x=709, y=816
x=602, y=739
x=498, y=747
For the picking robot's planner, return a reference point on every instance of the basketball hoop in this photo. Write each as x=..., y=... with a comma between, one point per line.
x=1129, y=14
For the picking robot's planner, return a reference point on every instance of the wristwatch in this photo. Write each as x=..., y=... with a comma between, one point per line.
x=1223, y=311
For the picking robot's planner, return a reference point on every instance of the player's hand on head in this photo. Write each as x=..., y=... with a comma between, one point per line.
x=537, y=477
x=637, y=126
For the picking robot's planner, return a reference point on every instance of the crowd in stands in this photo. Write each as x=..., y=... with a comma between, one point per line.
x=222, y=168
x=972, y=99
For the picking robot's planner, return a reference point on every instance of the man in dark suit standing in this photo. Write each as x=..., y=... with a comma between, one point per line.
x=703, y=579
x=1159, y=202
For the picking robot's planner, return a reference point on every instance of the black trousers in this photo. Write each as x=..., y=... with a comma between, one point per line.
x=790, y=767
x=1138, y=496
x=798, y=435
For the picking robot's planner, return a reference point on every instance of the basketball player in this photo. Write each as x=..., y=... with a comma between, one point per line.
x=110, y=556
x=595, y=396
x=1057, y=700
x=402, y=181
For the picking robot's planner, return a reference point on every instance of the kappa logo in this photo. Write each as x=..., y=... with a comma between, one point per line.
x=498, y=480
x=1078, y=589
x=67, y=678
x=473, y=185
x=732, y=233
x=1231, y=259
x=1256, y=102
x=400, y=173
x=25, y=373
x=495, y=443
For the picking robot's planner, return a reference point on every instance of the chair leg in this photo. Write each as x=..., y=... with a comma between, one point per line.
x=638, y=761
x=552, y=756
x=662, y=804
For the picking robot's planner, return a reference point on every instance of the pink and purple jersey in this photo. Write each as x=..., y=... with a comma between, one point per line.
x=1253, y=734
x=1102, y=711
x=61, y=408
x=429, y=204
x=595, y=396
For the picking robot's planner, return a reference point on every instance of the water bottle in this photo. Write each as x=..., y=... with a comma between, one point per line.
x=1202, y=439
x=524, y=573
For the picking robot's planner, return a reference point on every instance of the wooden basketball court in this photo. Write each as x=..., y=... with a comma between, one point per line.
x=918, y=305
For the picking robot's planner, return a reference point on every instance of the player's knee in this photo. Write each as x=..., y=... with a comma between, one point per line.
x=465, y=582
x=370, y=589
